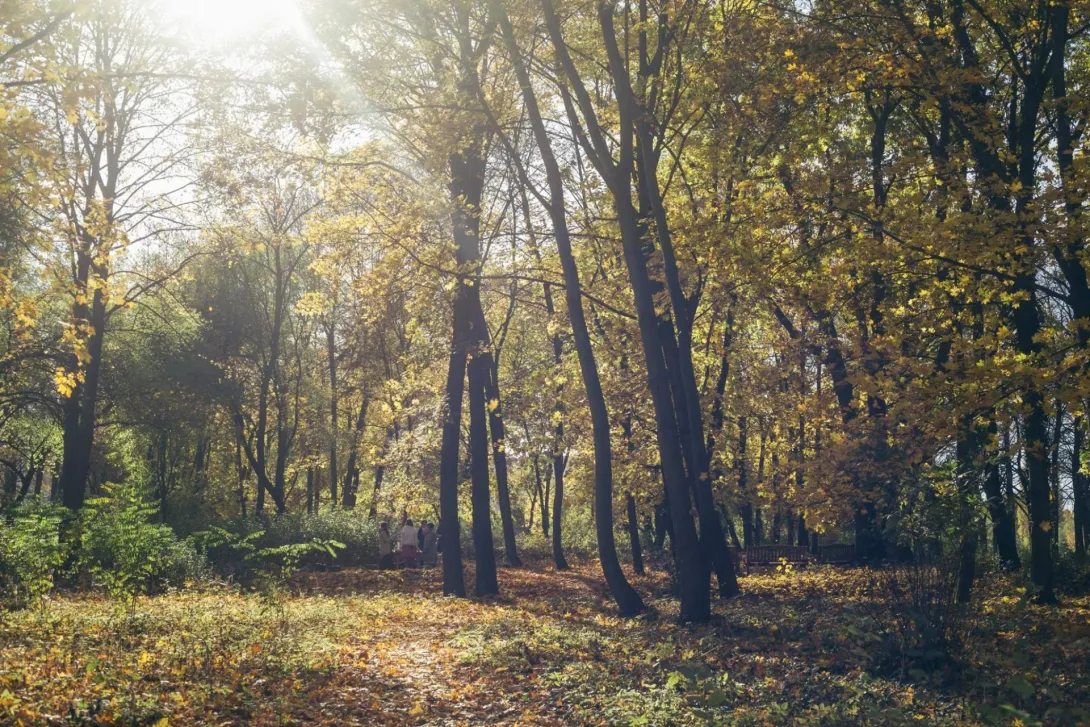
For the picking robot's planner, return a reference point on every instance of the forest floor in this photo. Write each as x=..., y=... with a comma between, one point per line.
x=364, y=647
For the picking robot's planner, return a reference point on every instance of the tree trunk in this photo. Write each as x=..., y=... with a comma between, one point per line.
x=634, y=536
x=449, y=525
x=558, y=509
x=742, y=473
x=351, y=472
x=1057, y=496
x=79, y=421
x=1078, y=489
x=969, y=448
x=467, y=170
x=677, y=355
x=487, y=583
x=534, y=495
x=691, y=564
x=334, y=429
x=499, y=460
x=1002, y=517
x=310, y=490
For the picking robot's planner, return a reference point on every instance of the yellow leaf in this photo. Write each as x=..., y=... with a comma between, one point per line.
x=417, y=710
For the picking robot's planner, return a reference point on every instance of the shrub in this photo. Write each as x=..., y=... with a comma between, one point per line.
x=123, y=551
x=266, y=567
x=357, y=533
x=928, y=624
x=184, y=563
x=1072, y=573
x=31, y=551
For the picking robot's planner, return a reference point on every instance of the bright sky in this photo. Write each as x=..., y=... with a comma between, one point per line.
x=229, y=22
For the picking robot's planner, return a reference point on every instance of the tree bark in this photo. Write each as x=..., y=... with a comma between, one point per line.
x=485, y=555
x=1002, y=517
x=449, y=525
x=334, y=429
x=351, y=470
x=634, y=536
x=499, y=460
x=1078, y=486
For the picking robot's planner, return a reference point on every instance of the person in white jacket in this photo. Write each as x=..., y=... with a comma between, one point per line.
x=408, y=544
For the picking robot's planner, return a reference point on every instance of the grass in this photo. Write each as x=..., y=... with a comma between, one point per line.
x=363, y=647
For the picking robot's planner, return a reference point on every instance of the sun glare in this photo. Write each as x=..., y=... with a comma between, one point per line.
x=228, y=22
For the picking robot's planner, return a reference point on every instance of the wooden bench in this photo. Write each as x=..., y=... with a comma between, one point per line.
x=836, y=554
x=772, y=555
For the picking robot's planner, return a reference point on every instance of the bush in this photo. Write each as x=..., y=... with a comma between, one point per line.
x=124, y=552
x=184, y=563
x=221, y=543
x=267, y=568
x=928, y=623
x=357, y=533
x=31, y=551
x=1072, y=574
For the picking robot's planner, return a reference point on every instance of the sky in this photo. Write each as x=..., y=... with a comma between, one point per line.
x=212, y=23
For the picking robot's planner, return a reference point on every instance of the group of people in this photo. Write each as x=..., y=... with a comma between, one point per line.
x=413, y=545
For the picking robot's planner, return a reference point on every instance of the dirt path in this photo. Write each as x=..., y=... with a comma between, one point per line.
x=404, y=666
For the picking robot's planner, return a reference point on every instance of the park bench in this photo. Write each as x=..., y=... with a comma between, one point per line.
x=836, y=554
x=772, y=555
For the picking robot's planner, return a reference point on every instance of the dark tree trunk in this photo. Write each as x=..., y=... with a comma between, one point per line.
x=969, y=448
x=1003, y=533
x=534, y=495
x=449, y=525
x=690, y=561
x=487, y=582
x=634, y=536
x=334, y=429
x=691, y=441
x=742, y=473
x=662, y=523
x=310, y=490
x=499, y=459
x=470, y=343
x=1025, y=314
x=380, y=470
x=542, y=491
x=1078, y=490
x=1057, y=496
x=80, y=408
x=558, y=509
x=351, y=470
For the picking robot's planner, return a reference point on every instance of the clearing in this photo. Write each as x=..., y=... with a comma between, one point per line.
x=364, y=647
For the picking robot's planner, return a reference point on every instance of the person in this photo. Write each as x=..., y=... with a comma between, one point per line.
x=408, y=544
x=431, y=544
x=420, y=536
x=385, y=547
